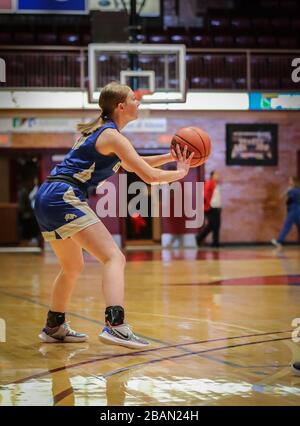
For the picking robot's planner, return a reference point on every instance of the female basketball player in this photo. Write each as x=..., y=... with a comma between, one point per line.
x=67, y=222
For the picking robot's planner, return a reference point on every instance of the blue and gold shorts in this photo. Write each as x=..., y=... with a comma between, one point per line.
x=61, y=210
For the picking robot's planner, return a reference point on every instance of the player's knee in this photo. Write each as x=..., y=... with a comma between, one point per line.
x=73, y=269
x=118, y=258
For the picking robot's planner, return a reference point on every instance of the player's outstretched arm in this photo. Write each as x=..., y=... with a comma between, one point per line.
x=112, y=142
x=158, y=160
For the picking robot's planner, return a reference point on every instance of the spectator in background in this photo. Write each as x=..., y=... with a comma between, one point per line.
x=293, y=211
x=29, y=229
x=212, y=209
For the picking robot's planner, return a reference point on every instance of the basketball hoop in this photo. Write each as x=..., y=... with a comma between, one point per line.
x=139, y=93
x=145, y=74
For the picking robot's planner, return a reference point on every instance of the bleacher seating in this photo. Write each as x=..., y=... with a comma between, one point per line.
x=256, y=24
x=259, y=24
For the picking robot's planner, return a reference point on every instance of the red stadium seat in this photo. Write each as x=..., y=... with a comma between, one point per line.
x=236, y=60
x=69, y=38
x=178, y=35
x=6, y=37
x=46, y=38
x=280, y=24
x=269, y=83
x=24, y=37
x=222, y=83
x=158, y=38
x=214, y=64
x=181, y=39
x=288, y=42
x=224, y=41
x=200, y=83
x=260, y=24
x=266, y=41
x=269, y=4
x=141, y=38
x=245, y=41
x=218, y=24
x=241, y=24
x=201, y=40
x=240, y=83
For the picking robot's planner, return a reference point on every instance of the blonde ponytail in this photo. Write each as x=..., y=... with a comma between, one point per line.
x=111, y=95
x=87, y=128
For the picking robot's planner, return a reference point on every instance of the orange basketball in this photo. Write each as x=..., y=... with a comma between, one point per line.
x=197, y=141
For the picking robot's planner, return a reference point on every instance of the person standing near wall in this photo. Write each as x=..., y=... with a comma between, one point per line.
x=212, y=209
x=293, y=211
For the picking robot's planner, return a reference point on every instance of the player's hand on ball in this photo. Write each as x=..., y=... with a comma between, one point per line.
x=196, y=140
x=183, y=162
x=174, y=153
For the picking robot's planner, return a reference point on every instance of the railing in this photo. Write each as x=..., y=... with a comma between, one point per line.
x=54, y=67
x=239, y=69
x=51, y=67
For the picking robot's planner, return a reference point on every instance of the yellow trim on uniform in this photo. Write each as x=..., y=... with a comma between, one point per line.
x=49, y=235
x=117, y=166
x=76, y=225
x=70, y=198
x=85, y=175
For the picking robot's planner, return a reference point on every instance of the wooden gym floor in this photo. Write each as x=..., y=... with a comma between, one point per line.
x=219, y=322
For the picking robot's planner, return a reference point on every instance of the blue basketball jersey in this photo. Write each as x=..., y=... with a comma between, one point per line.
x=85, y=163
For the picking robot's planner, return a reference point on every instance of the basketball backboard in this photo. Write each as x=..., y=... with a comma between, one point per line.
x=158, y=70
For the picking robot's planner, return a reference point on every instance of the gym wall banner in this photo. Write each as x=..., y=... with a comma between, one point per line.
x=39, y=125
x=274, y=101
x=52, y=6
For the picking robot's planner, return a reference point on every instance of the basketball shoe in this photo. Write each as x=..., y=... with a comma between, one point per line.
x=122, y=335
x=62, y=334
x=276, y=244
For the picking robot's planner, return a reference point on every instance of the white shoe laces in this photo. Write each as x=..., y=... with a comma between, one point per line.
x=68, y=328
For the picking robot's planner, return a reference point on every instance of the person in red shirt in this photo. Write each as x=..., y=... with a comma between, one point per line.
x=212, y=209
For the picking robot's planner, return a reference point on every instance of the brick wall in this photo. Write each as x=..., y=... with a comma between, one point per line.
x=253, y=208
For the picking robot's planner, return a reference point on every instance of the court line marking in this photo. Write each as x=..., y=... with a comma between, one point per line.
x=180, y=346
x=229, y=282
x=114, y=356
x=226, y=324
x=25, y=298
x=28, y=299
x=188, y=354
x=193, y=319
x=62, y=395
x=261, y=332
x=233, y=364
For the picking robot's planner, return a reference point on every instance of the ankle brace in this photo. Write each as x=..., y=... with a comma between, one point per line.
x=55, y=319
x=114, y=315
